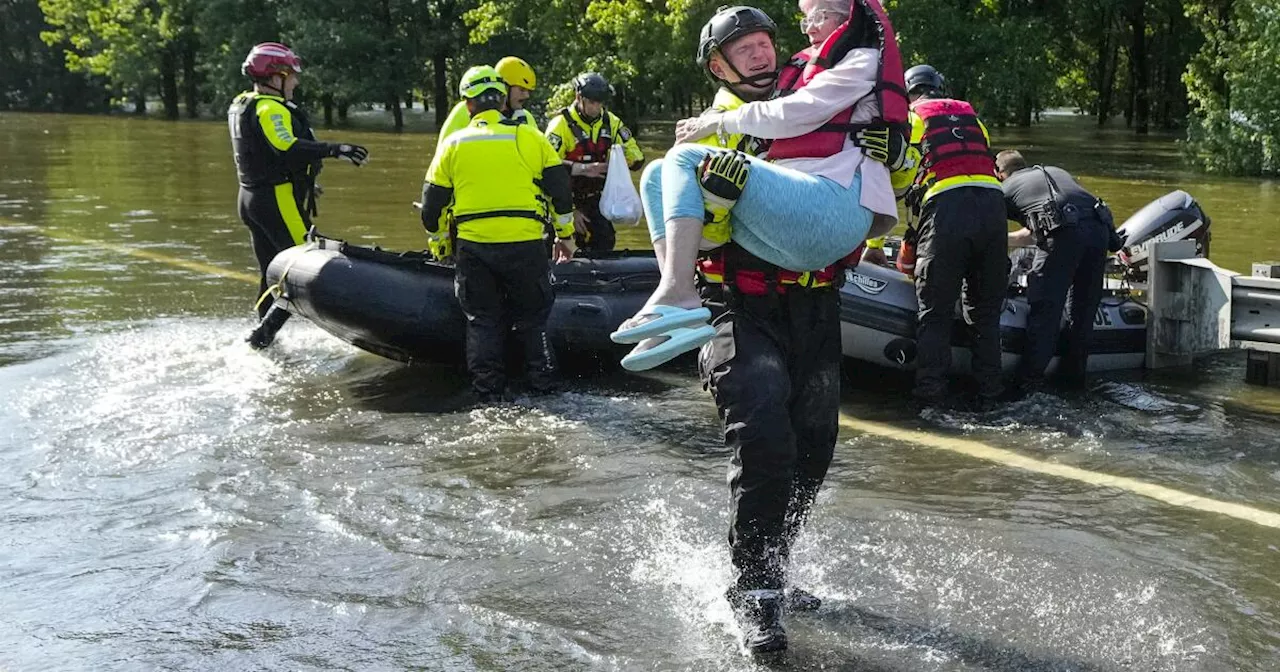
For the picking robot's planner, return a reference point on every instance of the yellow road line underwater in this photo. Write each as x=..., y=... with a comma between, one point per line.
x=960, y=446
x=177, y=262
x=1016, y=460
x=197, y=266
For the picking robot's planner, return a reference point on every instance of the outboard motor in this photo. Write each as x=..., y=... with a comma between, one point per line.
x=1020, y=261
x=1174, y=216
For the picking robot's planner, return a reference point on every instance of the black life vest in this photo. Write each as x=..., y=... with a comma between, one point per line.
x=258, y=163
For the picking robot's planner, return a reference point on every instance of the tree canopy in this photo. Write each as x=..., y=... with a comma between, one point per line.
x=1206, y=68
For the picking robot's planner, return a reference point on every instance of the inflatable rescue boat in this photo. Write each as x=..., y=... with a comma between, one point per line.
x=402, y=306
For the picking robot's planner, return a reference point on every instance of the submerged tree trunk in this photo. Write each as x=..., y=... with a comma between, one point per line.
x=1140, y=69
x=1108, y=53
x=326, y=101
x=1026, y=107
x=169, y=82
x=393, y=74
x=440, y=65
x=190, y=85
x=393, y=104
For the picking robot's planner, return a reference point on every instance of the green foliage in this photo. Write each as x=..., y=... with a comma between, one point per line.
x=644, y=47
x=1214, y=62
x=33, y=75
x=1233, y=84
x=228, y=30
x=119, y=40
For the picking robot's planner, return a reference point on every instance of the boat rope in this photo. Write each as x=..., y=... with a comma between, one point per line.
x=277, y=289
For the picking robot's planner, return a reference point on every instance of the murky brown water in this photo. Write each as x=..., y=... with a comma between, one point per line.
x=171, y=500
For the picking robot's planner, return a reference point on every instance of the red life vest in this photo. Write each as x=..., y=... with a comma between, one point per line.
x=734, y=267
x=868, y=27
x=587, y=150
x=953, y=142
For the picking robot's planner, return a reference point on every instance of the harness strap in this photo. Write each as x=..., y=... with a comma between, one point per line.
x=580, y=135
x=936, y=157
x=523, y=214
x=890, y=86
x=574, y=128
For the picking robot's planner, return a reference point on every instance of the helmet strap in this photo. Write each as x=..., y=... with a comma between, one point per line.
x=585, y=117
x=265, y=83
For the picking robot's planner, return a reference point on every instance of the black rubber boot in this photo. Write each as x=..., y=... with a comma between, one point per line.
x=265, y=333
x=759, y=615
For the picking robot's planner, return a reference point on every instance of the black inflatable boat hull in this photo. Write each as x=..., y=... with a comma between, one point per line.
x=402, y=307
x=878, y=324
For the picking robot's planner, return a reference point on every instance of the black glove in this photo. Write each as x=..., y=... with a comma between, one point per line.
x=1115, y=242
x=722, y=177
x=886, y=144
x=353, y=153
x=914, y=198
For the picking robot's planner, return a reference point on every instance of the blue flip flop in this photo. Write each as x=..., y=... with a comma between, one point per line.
x=668, y=318
x=678, y=341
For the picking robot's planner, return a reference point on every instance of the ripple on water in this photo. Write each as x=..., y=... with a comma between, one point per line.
x=278, y=510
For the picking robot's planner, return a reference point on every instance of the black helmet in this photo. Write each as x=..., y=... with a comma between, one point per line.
x=924, y=79
x=592, y=86
x=728, y=24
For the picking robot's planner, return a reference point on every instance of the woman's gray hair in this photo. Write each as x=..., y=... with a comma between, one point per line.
x=840, y=7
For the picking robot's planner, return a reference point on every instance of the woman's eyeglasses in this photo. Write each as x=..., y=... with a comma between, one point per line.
x=816, y=18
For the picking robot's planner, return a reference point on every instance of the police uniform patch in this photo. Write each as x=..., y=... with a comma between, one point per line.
x=556, y=141
x=624, y=134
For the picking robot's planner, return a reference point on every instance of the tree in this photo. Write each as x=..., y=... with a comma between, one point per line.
x=135, y=44
x=116, y=40
x=1233, y=83
x=33, y=75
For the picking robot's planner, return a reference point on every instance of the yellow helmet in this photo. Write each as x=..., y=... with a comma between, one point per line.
x=516, y=72
x=480, y=78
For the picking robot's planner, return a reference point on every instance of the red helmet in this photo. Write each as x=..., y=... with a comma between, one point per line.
x=269, y=58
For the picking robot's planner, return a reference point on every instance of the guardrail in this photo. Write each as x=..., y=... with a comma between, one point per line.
x=1197, y=307
x=1255, y=323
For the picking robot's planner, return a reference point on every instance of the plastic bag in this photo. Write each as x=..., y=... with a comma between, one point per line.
x=620, y=202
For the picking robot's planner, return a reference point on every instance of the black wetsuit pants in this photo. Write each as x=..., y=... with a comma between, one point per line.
x=503, y=286
x=266, y=218
x=1072, y=259
x=774, y=371
x=963, y=240
x=601, y=236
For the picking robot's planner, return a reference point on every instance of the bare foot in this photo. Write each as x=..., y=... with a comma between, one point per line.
x=678, y=299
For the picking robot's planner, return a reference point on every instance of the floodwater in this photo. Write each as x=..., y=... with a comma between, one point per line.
x=171, y=500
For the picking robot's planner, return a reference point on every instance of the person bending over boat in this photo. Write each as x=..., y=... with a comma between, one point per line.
x=773, y=366
x=493, y=176
x=816, y=199
x=1071, y=230
x=277, y=161
x=583, y=134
